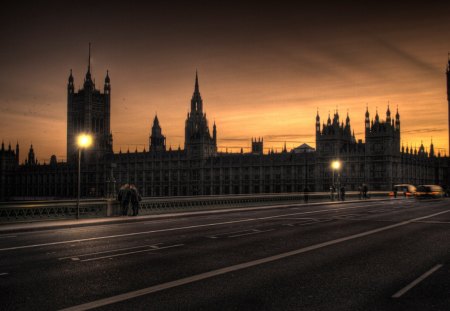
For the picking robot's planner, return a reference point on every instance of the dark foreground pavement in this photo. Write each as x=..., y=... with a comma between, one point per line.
x=370, y=255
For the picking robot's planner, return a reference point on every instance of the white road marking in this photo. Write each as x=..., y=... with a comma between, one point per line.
x=4, y=273
x=213, y=273
x=433, y=222
x=416, y=281
x=111, y=251
x=250, y=233
x=130, y=253
x=7, y=236
x=174, y=229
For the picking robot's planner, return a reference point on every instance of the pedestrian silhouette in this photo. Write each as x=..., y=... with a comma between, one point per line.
x=135, y=199
x=124, y=197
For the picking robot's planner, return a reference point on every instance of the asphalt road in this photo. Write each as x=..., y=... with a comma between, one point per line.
x=370, y=255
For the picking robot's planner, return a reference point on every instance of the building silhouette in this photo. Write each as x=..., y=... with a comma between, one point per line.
x=199, y=169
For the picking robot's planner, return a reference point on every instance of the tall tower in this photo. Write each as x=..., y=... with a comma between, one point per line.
x=448, y=100
x=157, y=139
x=198, y=141
x=89, y=111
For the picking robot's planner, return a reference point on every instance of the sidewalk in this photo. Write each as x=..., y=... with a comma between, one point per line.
x=38, y=225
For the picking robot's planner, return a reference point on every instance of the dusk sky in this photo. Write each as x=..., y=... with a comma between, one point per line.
x=264, y=69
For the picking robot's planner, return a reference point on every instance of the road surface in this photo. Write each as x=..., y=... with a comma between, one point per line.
x=368, y=255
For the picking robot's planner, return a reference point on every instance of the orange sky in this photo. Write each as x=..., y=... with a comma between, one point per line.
x=262, y=73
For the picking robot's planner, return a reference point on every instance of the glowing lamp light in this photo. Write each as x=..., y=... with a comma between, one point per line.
x=336, y=165
x=84, y=140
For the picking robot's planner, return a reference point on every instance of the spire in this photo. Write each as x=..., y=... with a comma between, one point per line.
x=196, y=101
x=3, y=145
x=156, y=121
x=317, y=116
x=88, y=73
x=197, y=91
x=70, y=77
x=367, y=110
x=107, y=80
x=89, y=59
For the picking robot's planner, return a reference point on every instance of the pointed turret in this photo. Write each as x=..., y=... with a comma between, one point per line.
x=157, y=141
x=31, y=157
x=431, y=149
x=367, y=119
x=377, y=117
x=196, y=102
x=317, y=122
x=397, y=120
x=388, y=115
x=214, y=132
x=70, y=86
x=17, y=152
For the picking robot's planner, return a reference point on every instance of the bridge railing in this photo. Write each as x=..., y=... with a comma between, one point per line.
x=67, y=209
x=44, y=210
x=150, y=205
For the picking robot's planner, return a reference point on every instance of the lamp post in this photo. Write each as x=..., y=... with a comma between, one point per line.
x=83, y=142
x=335, y=165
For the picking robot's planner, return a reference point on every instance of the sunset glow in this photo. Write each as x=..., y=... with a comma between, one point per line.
x=257, y=78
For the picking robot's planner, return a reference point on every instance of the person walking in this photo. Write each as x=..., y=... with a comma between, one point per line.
x=135, y=199
x=124, y=197
x=365, y=190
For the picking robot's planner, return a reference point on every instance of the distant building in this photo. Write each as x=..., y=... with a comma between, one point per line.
x=199, y=169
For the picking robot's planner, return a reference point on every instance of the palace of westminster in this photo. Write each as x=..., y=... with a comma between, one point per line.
x=199, y=169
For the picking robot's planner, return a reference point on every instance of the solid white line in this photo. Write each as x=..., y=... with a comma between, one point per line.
x=4, y=273
x=110, y=251
x=213, y=273
x=434, y=222
x=416, y=281
x=172, y=229
x=130, y=253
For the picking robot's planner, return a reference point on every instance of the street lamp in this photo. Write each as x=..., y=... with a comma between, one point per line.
x=335, y=165
x=83, y=141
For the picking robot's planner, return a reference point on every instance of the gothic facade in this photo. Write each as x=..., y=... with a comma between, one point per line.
x=199, y=169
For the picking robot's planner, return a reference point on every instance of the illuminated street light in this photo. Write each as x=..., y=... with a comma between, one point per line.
x=83, y=141
x=335, y=165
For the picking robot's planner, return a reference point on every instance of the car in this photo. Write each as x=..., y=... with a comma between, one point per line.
x=429, y=192
x=405, y=190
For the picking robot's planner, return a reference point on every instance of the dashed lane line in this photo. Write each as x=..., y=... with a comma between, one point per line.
x=131, y=253
x=221, y=271
x=175, y=229
x=416, y=281
x=111, y=251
